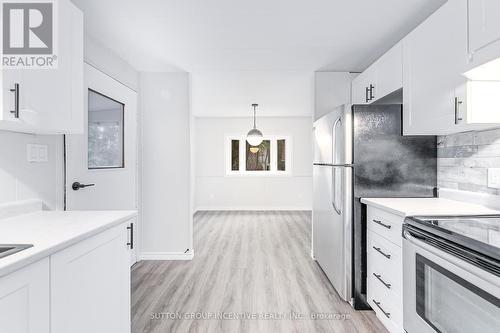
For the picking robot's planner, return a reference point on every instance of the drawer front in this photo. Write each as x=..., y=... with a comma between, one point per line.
x=388, y=308
x=385, y=224
x=384, y=263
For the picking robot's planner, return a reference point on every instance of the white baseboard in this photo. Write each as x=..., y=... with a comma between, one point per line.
x=167, y=255
x=251, y=208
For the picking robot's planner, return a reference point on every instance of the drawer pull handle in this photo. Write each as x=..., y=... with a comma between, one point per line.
x=131, y=243
x=388, y=226
x=387, y=314
x=388, y=256
x=379, y=277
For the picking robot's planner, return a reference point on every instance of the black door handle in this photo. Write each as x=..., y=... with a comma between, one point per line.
x=76, y=186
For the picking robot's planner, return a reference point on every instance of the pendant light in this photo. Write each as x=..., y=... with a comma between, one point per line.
x=254, y=136
x=254, y=150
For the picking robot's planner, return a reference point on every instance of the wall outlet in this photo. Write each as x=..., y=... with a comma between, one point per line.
x=37, y=153
x=494, y=177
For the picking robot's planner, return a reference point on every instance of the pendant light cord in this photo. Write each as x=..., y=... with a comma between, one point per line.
x=254, y=115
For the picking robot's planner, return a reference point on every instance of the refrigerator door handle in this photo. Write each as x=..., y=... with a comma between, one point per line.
x=334, y=173
x=334, y=190
x=335, y=165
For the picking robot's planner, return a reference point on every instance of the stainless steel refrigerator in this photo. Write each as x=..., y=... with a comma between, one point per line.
x=359, y=151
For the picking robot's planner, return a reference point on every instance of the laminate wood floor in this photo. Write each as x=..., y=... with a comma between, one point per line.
x=252, y=272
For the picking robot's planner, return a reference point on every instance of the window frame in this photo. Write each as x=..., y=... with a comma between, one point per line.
x=273, y=153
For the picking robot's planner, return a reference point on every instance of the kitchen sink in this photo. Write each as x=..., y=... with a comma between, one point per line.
x=8, y=249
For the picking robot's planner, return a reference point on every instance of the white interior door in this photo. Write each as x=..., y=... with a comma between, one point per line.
x=101, y=163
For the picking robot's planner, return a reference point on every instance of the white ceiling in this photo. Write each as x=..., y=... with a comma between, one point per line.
x=208, y=35
x=230, y=93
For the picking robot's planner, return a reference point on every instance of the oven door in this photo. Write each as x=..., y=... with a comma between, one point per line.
x=442, y=293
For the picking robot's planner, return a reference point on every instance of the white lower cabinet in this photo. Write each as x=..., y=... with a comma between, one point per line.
x=90, y=285
x=385, y=268
x=24, y=300
x=83, y=288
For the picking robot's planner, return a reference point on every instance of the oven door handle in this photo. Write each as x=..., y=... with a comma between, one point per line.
x=419, y=242
x=412, y=237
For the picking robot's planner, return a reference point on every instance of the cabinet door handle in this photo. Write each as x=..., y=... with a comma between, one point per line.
x=131, y=228
x=379, y=277
x=16, y=100
x=367, y=97
x=458, y=102
x=388, y=256
x=387, y=314
x=388, y=226
x=371, y=92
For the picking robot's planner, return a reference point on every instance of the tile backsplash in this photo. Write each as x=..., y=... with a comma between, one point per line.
x=464, y=159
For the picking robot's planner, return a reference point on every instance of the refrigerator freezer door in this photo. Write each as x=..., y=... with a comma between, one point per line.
x=333, y=137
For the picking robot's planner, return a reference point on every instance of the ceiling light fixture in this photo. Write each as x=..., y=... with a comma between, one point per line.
x=254, y=136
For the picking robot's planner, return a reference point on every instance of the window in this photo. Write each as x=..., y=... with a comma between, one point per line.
x=281, y=151
x=235, y=156
x=271, y=157
x=258, y=159
x=105, y=132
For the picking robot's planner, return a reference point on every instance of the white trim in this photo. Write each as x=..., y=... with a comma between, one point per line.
x=97, y=67
x=167, y=255
x=251, y=208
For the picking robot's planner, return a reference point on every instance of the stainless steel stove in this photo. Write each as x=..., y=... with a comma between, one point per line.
x=451, y=274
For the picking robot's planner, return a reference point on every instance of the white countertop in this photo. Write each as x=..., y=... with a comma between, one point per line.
x=52, y=231
x=427, y=206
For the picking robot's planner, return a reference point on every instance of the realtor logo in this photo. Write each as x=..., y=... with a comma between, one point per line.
x=28, y=34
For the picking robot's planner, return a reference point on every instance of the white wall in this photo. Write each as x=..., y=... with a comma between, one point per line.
x=102, y=58
x=214, y=190
x=21, y=180
x=230, y=93
x=165, y=167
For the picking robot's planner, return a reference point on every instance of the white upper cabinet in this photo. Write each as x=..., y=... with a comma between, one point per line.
x=382, y=78
x=361, y=88
x=484, y=30
x=435, y=91
x=389, y=73
x=434, y=56
x=49, y=100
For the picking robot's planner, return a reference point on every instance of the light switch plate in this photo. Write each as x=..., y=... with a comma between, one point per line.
x=37, y=153
x=494, y=177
